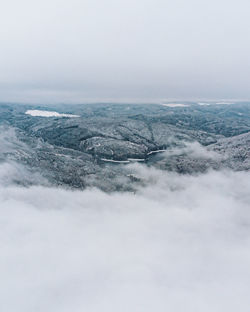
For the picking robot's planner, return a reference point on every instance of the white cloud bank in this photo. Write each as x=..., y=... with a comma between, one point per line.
x=180, y=244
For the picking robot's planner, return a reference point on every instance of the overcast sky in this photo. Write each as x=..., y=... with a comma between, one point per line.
x=77, y=50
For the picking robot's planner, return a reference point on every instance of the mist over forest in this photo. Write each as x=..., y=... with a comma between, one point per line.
x=115, y=207
x=124, y=156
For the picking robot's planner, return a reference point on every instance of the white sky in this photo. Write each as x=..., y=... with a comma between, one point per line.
x=75, y=50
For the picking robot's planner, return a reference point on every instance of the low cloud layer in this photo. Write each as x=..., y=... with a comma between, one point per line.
x=181, y=243
x=193, y=150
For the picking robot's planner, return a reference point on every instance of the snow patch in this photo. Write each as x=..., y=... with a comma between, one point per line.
x=175, y=105
x=203, y=104
x=158, y=151
x=43, y=113
x=224, y=103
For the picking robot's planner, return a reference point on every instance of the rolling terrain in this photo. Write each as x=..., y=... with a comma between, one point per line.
x=95, y=144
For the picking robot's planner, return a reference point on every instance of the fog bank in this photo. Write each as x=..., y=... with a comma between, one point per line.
x=181, y=243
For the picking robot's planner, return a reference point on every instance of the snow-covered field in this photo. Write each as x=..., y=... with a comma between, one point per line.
x=175, y=105
x=43, y=113
x=217, y=103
